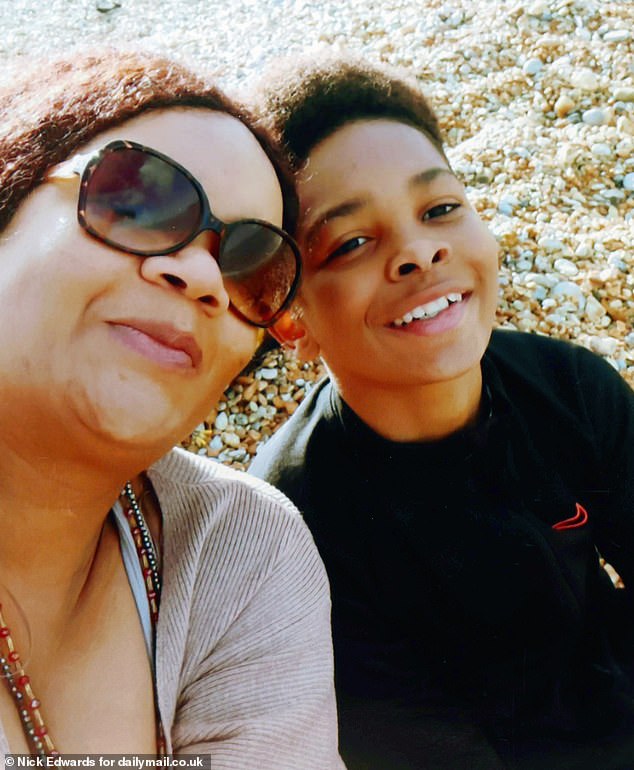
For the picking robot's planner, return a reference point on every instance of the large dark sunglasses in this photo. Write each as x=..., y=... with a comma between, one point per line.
x=140, y=201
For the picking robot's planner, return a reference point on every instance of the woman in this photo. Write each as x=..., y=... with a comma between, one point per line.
x=182, y=609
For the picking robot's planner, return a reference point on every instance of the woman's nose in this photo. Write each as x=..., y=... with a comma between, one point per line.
x=417, y=255
x=191, y=271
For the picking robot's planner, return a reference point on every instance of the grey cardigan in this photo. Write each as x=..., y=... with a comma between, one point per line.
x=244, y=651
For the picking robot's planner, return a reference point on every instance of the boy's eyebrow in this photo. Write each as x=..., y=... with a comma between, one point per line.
x=429, y=175
x=340, y=210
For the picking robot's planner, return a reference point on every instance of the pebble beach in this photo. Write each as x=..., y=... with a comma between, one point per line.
x=536, y=101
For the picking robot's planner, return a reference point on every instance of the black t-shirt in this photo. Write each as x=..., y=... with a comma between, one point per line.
x=472, y=624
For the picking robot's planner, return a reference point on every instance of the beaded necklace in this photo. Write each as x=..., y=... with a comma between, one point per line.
x=18, y=682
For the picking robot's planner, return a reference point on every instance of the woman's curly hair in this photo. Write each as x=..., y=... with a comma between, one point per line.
x=53, y=107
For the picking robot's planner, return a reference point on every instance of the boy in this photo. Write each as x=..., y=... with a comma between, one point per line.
x=458, y=481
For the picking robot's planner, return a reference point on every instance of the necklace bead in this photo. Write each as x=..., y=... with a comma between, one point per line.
x=149, y=567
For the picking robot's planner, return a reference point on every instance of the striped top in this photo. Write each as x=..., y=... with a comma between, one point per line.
x=243, y=647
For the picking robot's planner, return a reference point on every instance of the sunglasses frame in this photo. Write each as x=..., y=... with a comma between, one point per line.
x=207, y=221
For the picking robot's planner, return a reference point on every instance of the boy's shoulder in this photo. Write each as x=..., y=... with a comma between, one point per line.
x=309, y=425
x=533, y=352
x=505, y=341
x=557, y=374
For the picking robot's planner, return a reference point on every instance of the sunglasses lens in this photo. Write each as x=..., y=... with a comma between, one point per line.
x=138, y=202
x=259, y=268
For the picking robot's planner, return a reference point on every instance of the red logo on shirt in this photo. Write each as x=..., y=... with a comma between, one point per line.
x=578, y=520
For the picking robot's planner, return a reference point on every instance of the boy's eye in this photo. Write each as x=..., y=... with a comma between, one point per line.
x=348, y=246
x=441, y=210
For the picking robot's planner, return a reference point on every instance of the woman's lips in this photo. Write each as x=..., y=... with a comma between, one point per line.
x=163, y=344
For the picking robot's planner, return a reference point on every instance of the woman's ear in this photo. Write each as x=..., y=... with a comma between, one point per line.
x=291, y=333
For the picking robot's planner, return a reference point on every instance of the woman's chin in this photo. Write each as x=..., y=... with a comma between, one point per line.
x=149, y=424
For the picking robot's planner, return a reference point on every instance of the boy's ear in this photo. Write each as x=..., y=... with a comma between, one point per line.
x=291, y=333
x=286, y=330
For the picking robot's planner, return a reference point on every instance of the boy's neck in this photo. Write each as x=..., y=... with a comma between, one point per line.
x=417, y=413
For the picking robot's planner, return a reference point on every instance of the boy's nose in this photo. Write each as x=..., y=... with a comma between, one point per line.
x=417, y=256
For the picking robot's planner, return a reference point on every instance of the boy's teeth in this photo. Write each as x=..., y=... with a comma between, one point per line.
x=433, y=308
x=430, y=309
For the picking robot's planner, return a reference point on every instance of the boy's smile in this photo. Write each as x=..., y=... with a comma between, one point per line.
x=430, y=309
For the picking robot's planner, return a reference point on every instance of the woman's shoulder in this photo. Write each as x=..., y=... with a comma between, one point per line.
x=195, y=476
x=198, y=495
x=245, y=604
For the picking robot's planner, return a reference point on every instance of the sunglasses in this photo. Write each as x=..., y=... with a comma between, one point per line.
x=138, y=200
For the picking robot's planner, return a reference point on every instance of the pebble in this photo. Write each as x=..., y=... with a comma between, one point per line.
x=601, y=150
x=615, y=261
x=604, y=346
x=617, y=36
x=583, y=250
x=570, y=290
x=105, y=6
x=594, y=117
x=628, y=181
x=625, y=125
x=564, y=105
x=532, y=66
x=612, y=195
x=584, y=79
x=566, y=267
x=551, y=244
x=623, y=94
x=594, y=309
x=507, y=206
x=548, y=279
x=230, y=439
x=537, y=8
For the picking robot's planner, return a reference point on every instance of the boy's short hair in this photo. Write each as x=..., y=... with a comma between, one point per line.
x=304, y=101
